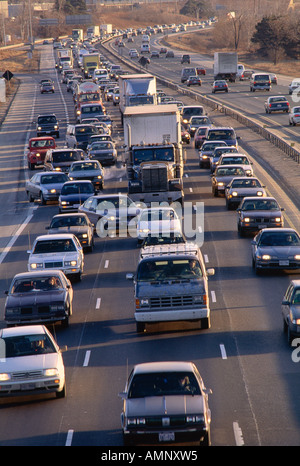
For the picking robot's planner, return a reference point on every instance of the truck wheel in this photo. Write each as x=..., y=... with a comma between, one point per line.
x=205, y=323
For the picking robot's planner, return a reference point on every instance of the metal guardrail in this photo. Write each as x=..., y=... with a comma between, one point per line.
x=258, y=128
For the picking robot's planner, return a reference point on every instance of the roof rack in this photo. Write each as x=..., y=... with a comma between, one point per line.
x=169, y=249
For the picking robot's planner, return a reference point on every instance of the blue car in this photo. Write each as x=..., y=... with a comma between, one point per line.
x=73, y=194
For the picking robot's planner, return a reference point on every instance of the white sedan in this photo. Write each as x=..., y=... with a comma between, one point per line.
x=31, y=362
x=294, y=116
x=156, y=221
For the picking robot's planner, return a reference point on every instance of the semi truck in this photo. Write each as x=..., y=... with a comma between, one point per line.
x=90, y=62
x=137, y=89
x=105, y=29
x=86, y=93
x=92, y=32
x=64, y=57
x=225, y=65
x=77, y=34
x=154, y=158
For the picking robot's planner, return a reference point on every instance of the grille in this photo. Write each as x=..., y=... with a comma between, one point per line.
x=154, y=178
x=175, y=421
x=171, y=301
x=26, y=310
x=26, y=375
x=53, y=265
x=262, y=220
x=43, y=309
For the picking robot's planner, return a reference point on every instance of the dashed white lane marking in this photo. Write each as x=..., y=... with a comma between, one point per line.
x=69, y=438
x=223, y=351
x=238, y=434
x=98, y=303
x=87, y=358
x=106, y=264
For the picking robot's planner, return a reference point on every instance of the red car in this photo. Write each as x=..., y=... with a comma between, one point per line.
x=201, y=70
x=200, y=136
x=37, y=148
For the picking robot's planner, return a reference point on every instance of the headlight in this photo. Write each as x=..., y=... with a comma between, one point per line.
x=220, y=183
x=136, y=421
x=99, y=177
x=266, y=257
x=195, y=418
x=4, y=377
x=84, y=235
x=70, y=263
x=246, y=220
x=144, y=302
x=52, y=191
x=64, y=203
x=259, y=193
x=248, y=172
x=39, y=128
x=297, y=257
x=71, y=178
x=78, y=112
x=144, y=230
x=51, y=373
x=57, y=169
x=278, y=219
x=55, y=126
x=37, y=154
x=36, y=265
x=234, y=193
x=205, y=156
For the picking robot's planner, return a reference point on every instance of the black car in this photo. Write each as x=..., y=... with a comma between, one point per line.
x=185, y=59
x=73, y=194
x=47, y=125
x=36, y=297
x=254, y=214
x=76, y=223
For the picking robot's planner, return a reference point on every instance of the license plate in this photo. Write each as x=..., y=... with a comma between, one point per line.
x=28, y=386
x=166, y=436
x=284, y=263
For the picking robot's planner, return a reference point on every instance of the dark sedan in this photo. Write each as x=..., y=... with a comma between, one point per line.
x=290, y=309
x=277, y=104
x=242, y=187
x=88, y=170
x=193, y=81
x=73, y=194
x=111, y=214
x=36, y=297
x=222, y=177
x=105, y=152
x=276, y=249
x=255, y=214
x=76, y=223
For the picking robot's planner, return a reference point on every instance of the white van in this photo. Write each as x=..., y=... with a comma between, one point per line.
x=145, y=48
x=146, y=38
x=100, y=73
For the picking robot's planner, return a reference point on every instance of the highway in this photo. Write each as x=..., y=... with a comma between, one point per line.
x=244, y=357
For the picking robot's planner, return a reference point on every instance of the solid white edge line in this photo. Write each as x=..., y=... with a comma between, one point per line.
x=14, y=238
x=238, y=435
x=87, y=358
x=69, y=438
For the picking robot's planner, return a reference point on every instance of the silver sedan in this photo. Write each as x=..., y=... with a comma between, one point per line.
x=45, y=186
x=276, y=249
x=242, y=187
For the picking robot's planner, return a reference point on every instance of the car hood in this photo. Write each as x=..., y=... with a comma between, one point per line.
x=261, y=213
x=34, y=297
x=48, y=187
x=75, y=230
x=165, y=405
x=280, y=251
x=29, y=363
x=225, y=179
x=54, y=256
x=80, y=197
x=246, y=191
x=86, y=174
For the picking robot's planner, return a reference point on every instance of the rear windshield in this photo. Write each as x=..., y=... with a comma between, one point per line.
x=262, y=77
x=222, y=134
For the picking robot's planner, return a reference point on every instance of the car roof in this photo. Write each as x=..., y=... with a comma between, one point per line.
x=38, y=273
x=51, y=173
x=78, y=182
x=72, y=214
x=58, y=236
x=22, y=330
x=42, y=138
x=255, y=198
x=163, y=366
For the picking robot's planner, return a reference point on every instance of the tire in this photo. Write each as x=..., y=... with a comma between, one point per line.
x=205, y=323
x=65, y=322
x=43, y=201
x=30, y=198
x=140, y=327
x=57, y=134
x=62, y=393
x=206, y=441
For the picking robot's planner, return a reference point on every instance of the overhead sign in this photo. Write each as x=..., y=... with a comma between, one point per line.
x=78, y=19
x=7, y=75
x=48, y=21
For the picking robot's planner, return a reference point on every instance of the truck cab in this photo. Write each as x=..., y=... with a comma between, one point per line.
x=171, y=285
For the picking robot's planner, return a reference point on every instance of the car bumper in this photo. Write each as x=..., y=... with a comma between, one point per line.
x=190, y=434
x=171, y=315
x=31, y=387
x=253, y=226
x=278, y=264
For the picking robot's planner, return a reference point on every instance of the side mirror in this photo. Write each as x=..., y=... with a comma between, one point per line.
x=210, y=272
x=285, y=302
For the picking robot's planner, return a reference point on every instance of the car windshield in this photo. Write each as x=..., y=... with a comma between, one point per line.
x=163, y=384
x=92, y=109
x=296, y=296
x=27, y=345
x=222, y=135
x=279, y=239
x=232, y=171
x=261, y=77
x=277, y=99
x=54, y=245
x=42, y=143
x=260, y=205
x=199, y=120
x=224, y=150
x=85, y=166
x=169, y=269
x=53, y=179
x=157, y=214
x=101, y=146
x=248, y=183
x=47, y=119
x=192, y=111
x=69, y=189
x=235, y=160
x=25, y=285
x=209, y=146
x=154, y=240
x=111, y=202
x=70, y=221
x=155, y=153
x=68, y=156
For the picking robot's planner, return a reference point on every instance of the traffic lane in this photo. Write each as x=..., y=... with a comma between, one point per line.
x=257, y=329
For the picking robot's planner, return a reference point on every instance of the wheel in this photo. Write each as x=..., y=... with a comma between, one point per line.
x=140, y=327
x=42, y=199
x=30, y=198
x=206, y=441
x=241, y=231
x=205, y=323
x=62, y=393
x=289, y=336
x=215, y=193
x=65, y=322
x=57, y=134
